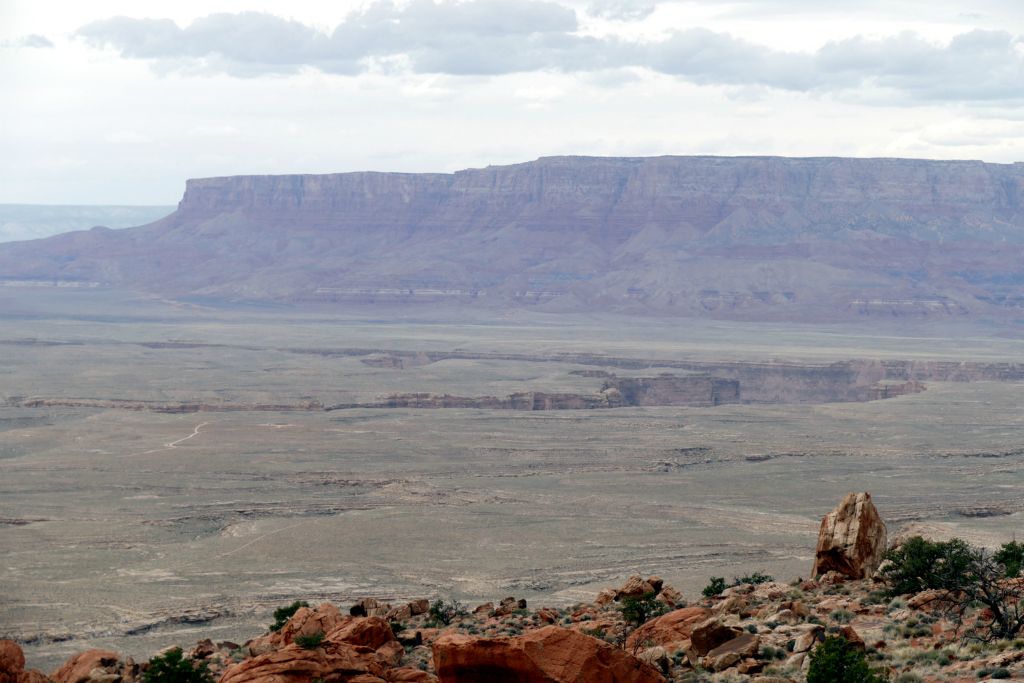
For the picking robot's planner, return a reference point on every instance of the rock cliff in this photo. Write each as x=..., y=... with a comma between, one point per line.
x=743, y=237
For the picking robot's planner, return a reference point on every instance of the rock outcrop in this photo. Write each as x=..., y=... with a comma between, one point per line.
x=671, y=631
x=743, y=237
x=851, y=540
x=351, y=647
x=548, y=655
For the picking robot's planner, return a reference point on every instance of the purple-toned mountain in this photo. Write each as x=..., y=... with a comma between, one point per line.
x=737, y=237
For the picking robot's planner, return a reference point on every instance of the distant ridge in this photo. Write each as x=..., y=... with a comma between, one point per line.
x=34, y=221
x=735, y=237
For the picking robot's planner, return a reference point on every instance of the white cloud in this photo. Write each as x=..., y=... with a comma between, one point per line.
x=494, y=37
x=221, y=87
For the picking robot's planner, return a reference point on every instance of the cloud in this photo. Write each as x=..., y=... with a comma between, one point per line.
x=32, y=40
x=623, y=10
x=493, y=37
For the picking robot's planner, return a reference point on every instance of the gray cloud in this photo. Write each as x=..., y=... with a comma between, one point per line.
x=489, y=37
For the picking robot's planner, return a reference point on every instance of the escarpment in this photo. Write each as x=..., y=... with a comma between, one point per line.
x=764, y=238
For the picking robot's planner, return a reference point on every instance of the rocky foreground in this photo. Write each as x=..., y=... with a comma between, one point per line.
x=645, y=631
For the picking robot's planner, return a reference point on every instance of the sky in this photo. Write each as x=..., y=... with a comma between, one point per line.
x=120, y=101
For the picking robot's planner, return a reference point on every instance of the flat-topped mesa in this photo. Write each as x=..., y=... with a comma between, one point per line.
x=763, y=238
x=688, y=195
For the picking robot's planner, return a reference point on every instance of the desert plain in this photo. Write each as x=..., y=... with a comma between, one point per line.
x=170, y=469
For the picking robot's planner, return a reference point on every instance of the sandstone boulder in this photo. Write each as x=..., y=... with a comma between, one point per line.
x=851, y=540
x=371, y=632
x=307, y=622
x=420, y=606
x=547, y=655
x=636, y=586
x=409, y=675
x=710, y=633
x=732, y=652
x=12, y=661
x=79, y=668
x=670, y=596
x=336, y=662
x=670, y=631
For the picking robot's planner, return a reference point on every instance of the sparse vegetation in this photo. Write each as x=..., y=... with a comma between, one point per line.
x=836, y=661
x=311, y=641
x=172, y=667
x=717, y=584
x=444, y=613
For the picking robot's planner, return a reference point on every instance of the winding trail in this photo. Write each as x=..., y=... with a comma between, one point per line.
x=195, y=432
x=261, y=537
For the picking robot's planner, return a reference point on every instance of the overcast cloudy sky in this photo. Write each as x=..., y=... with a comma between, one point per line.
x=119, y=101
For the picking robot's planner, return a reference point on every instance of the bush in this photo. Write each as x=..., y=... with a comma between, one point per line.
x=1001, y=672
x=836, y=661
x=756, y=578
x=174, y=668
x=1011, y=556
x=444, y=613
x=283, y=614
x=965, y=577
x=920, y=564
x=716, y=584
x=637, y=610
x=310, y=642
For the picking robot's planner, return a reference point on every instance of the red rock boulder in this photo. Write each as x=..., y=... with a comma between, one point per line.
x=332, y=662
x=79, y=668
x=851, y=540
x=12, y=661
x=547, y=655
x=670, y=631
x=308, y=622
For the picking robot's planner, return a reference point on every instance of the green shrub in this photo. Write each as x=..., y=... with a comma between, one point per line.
x=842, y=616
x=310, y=642
x=283, y=614
x=637, y=610
x=966, y=578
x=444, y=613
x=1001, y=672
x=1011, y=556
x=716, y=584
x=836, y=661
x=756, y=578
x=174, y=668
x=919, y=564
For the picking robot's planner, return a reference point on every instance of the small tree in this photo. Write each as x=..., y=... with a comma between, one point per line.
x=639, y=609
x=963, y=578
x=1011, y=556
x=283, y=614
x=837, y=661
x=716, y=584
x=172, y=667
x=919, y=564
x=442, y=612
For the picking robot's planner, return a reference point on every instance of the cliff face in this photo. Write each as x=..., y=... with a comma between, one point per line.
x=727, y=237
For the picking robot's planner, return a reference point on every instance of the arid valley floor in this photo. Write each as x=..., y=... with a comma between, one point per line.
x=174, y=471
